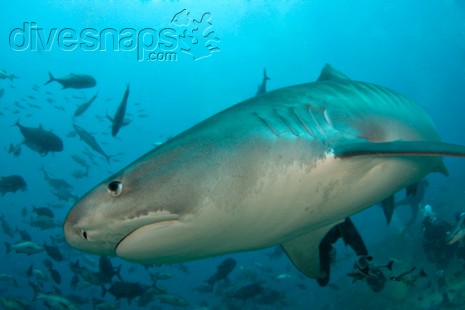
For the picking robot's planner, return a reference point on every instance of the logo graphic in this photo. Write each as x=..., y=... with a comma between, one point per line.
x=193, y=37
x=198, y=37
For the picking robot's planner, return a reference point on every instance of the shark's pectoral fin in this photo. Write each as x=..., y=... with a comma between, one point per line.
x=400, y=148
x=388, y=206
x=304, y=252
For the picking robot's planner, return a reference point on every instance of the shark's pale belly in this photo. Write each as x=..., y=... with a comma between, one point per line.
x=281, y=203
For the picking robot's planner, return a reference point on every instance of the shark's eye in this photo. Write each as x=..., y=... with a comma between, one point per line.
x=84, y=234
x=115, y=188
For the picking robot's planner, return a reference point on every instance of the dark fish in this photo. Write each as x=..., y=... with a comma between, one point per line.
x=59, y=108
x=90, y=141
x=56, y=277
x=43, y=222
x=40, y=140
x=160, y=276
x=171, y=299
x=118, y=120
x=222, y=271
x=80, y=174
x=14, y=303
x=55, y=183
x=262, y=87
x=80, y=161
x=87, y=275
x=6, y=227
x=65, y=195
x=74, y=281
x=25, y=236
x=128, y=290
x=147, y=297
x=25, y=247
x=12, y=184
x=14, y=149
x=74, y=81
x=48, y=263
x=246, y=292
x=33, y=105
x=43, y=211
x=6, y=75
x=107, y=270
x=83, y=107
x=408, y=277
x=53, y=252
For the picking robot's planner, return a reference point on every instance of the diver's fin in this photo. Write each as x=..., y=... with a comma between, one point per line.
x=304, y=253
x=329, y=73
x=352, y=237
x=388, y=205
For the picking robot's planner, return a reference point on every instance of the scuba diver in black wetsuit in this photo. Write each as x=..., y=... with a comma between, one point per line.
x=435, y=236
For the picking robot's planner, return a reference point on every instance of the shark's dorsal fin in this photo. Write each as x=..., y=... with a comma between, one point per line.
x=329, y=73
x=304, y=251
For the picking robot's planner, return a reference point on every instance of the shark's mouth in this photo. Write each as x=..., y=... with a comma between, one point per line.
x=160, y=223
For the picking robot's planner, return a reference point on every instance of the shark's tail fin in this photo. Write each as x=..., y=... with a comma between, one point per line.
x=51, y=79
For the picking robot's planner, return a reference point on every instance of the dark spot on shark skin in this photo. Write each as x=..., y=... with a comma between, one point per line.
x=329, y=189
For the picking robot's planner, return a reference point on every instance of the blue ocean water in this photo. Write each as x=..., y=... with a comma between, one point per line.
x=185, y=61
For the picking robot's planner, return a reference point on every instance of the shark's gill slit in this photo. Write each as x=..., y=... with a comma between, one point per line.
x=328, y=119
x=267, y=125
x=317, y=124
x=286, y=122
x=307, y=129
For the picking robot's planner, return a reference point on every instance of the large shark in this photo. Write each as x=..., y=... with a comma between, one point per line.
x=282, y=168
